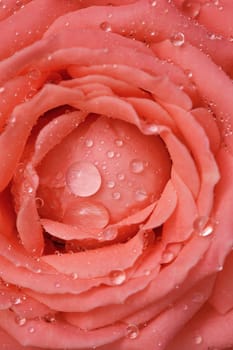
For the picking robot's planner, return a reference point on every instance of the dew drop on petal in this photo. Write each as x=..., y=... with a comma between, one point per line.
x=111, y=184
x=21, y=321
x=109, y=233
x=150, y=129
x=83, y=179
x=132, y=331
x=106, y=26
x=191, y=8
x=17, y=301
x=136, y=166
x=89, y=143
x=204, y=226
x=141, y=195
x=121, y=177
x=39, y=202
x=117, y=277
x=119, y=142
x=110, y=154
x=86, y=214
x=116, y=195
x=31, y=330
x=178, y=39
x=167, y=257
x=57, y=285
x=74, y=275
x=198, y=339
x=198, y=298
x=153, y=3
x=2, y=89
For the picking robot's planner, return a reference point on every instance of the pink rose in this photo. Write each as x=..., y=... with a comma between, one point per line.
x=116, y=160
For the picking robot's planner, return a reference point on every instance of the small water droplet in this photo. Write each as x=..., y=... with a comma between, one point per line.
x=17, y=301
x=117, y=277
x=2, y=89
x=119, y=143
x=89, y=143
x=121, y=177
x=21, y=321
x=185, y=308
x=49, y=57
x=34, y=74
x=141, y=195
x=67, y=24
x=111, y=184
x=106, y=26
x=116, y=195
x=150, y=129
x=74, y=276
x=109, y=233
x=167, y=257
x=136, y=166
x=83, y=179
x=50, y=318
x=57, y=285
x=191, y=8
x=132, y=331
x=219, y=268
x=204, y=226
x=153, y=3
x=178, y=39
x=31, y=330
x=39, y=202
x=198, y=339
x=110, y=154
x=198, y=298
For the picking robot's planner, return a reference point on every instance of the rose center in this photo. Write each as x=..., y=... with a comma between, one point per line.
x=101, y=173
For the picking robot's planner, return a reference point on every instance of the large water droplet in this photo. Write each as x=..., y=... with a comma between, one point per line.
x=117, y=277
x=178, y=39
x=109, y=233
x=106, y=26
x=83, y=179
x=191, y=8
x=204, y=226
x=136, y=166
x=132, y=331
x=86, y=214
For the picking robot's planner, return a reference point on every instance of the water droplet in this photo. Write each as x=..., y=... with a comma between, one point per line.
x=83, y=179
x=111, y=184
x=132, y=331
x=119, y=143
x=89, y=143
x=31, y=330
x=198, y=339
x=198, y=298
x=34, y=74
x=74, y=276
x=153, y=3
x=106, y=26
x=17, y=301
x=110, y=154
x=219, y=268
x=136, y=166
x=178, y=39
x=109, y=233
x=117, y=277
x=49, y=57
x=57, y=285
x=150, y=129
x=50, y=318
x=204, y=226
x=141, y=195
x=191, y=8
x=116, y=195
x=185, y=308
x=167, y=257
x=21, y=321
x=39, y=202
x=86, y=214
x=2, y=89
x=121, y=177
x=67, y=24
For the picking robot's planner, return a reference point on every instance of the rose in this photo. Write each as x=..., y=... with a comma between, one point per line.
x=116, y=155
